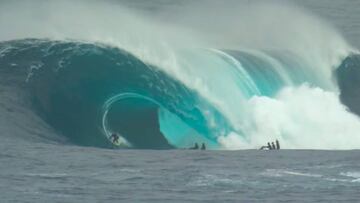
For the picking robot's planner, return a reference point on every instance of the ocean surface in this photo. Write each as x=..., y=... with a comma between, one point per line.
x=164, y=75
x=53, y=173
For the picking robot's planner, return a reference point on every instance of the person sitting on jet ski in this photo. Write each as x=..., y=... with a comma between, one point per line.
x=268, y=147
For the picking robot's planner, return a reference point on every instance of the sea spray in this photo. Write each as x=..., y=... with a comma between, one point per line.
x=180, y=48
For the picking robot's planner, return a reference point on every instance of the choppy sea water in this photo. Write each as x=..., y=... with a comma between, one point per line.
x=53, y=173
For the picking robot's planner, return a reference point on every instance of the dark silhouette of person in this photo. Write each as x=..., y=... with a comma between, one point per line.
x=268, y=146
x=277, y=144
x=114, y=137
x=273, y=145
x=195, y=147
x=203, y=147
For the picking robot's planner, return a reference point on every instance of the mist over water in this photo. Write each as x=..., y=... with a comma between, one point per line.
x=309, y=117
x=212, y=50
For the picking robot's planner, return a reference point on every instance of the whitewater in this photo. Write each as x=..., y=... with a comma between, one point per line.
x=233, y=75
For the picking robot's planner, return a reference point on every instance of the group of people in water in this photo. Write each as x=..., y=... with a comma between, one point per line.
x=196, y=146
x=272, y=146
x=114, y=137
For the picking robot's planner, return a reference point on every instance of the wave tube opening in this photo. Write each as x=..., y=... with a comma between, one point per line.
x=144, y=123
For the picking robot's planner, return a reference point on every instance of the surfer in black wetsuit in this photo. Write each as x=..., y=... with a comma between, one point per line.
x=195, y=147
x=203, y=146
x=277, y=144
x=269, y=146
x=273, y=145
x=114, y=137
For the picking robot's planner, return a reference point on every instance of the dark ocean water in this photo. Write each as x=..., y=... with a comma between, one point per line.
x=53, y=173
x=40, y=167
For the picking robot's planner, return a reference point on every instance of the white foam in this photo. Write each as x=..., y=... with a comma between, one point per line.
x=300, y=117
x=206, y=180
x=286, y=172
x=48, y=175
x=34, y=67
x=355, y=175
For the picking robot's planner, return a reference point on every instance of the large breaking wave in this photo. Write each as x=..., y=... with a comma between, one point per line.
x=159, y=94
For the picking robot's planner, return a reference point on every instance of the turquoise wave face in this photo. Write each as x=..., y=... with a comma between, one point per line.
x=88, y=91
x=77, y=87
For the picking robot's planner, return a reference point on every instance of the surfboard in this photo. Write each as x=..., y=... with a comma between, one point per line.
x=121, y=142
x=117, y=143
